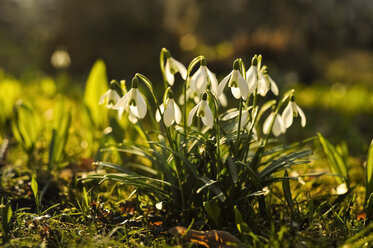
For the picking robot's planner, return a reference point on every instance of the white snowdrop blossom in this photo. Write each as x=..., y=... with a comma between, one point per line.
x=236, y=82
x=278, y=125
x=266, y=83
x=111, y=97
x=171, y=113
x=291, y=110
x=201, y=78
x=258, y=79
x=252, y=78
x=172, y=67
x=134, y=101
x=204, y=111
x=199, y=82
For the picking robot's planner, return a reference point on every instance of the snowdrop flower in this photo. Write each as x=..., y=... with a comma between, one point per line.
x=111, y=97
x=258, y=79
x=202, y=110
x=236, y=82
x=291, y=110
x=172, y=67
x=278, y=125
x=134, y=101
x=171, y=113
x=201, y=79
x=265, y=83
x=252, y=78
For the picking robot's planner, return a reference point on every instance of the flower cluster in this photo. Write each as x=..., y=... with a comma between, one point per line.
x=203, y=88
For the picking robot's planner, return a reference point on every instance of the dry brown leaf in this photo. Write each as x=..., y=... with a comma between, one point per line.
x=209, y=239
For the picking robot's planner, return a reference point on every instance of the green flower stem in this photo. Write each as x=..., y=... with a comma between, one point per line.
x=185, y=115
x=239, y=126
x=162, y=64
x=149, y=85
x=217, y=128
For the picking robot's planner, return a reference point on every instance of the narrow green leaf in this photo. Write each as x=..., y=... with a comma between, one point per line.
x=96, y=86
x=9, y=212
x=242, y=227
x=213, y=211
x=34, y=187
x=287, y=191
x=338, y=164
x=233, y=169
x=369, y=172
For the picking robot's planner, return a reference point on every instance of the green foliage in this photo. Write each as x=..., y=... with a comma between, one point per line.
x=337, y=159
x=26, y=126
x=60, y=134
x=35, y=192
x=6, y=214
x=205, y=171
x=9, y=92
x=369, y=173
x=96, y=86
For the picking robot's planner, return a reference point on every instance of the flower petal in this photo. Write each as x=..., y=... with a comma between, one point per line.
x=223, y=100
x=180, y=68
x=278, y=126
x=103, y=97
x=120, y=112
x=157, y=114
x=302, y=116
x=244, y=88
x=123, y=102
x=169, y=76
x=169, y=114
x=213, y=80
x=222, y=85
x=141, y=105
x=177, y=112
x=267, y=123
x=236, y=92
x=132, y=117
x=287, y=115
x=262, y=85
x=252, y=78
x=208, y=119
x=274, y=87
x=194, y=78
x=192, y=114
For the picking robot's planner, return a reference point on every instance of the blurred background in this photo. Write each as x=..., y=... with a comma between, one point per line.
x=322, y=48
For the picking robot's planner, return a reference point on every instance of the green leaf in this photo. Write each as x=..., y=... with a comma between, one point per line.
x=336, y=160
x=96, y=86
x=233, y=169
x=242, y=226
x=60, y=134
x=214, y=188
x=34, y=187
x=213, y=211
x=283, y=162
x=369, y=208
x=369, y=172
x=9, y=212
x=26, y=126
x=287, y=191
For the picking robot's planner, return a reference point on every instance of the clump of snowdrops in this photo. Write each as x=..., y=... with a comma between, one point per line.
x=199, y=158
